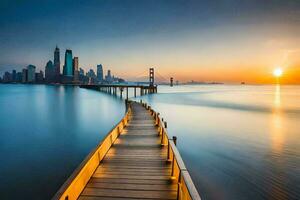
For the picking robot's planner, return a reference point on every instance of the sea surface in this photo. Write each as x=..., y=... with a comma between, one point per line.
x=238, y=141
x=45, y=133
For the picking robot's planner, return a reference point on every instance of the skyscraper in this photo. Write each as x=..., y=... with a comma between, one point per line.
x=56, y=65
x=39, y=77
x=108, y=77
x=14, y=75
x=19, y=77
x=81, y=72
x=81, y=75
x=7, y=77
x=24, y=75
x=75, y=68
x=68, y=67
x=31, y=73
x=50, y=75
x=99, y=73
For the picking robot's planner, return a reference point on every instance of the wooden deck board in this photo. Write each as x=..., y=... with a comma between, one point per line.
x=135, y=167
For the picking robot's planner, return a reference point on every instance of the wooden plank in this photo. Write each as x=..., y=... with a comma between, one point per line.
x=110, y=169
x=107, y=198
x=138, y=176
x=132, y=172
x=164, y=187
x=129, y=193
x=131, y=181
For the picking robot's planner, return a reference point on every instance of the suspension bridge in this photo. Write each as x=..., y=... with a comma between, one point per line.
x=141, y=85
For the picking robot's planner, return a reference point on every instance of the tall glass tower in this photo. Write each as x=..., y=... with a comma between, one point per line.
x=99, y=73
x=49, y=72
x=68, y=67
x=56, y=65
x=31, y=73
x=75, y=68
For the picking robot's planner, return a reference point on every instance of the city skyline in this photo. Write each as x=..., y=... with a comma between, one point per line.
x=221, y=41
x=70, y=73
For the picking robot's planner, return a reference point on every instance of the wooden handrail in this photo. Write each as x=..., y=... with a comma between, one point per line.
x=74, y=185
x=186, y=188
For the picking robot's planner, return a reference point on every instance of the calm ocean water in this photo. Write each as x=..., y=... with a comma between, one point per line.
x=45, y=133
x=238, y=142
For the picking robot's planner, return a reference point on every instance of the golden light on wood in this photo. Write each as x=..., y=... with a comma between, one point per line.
x=122, y=157
x=277, y=72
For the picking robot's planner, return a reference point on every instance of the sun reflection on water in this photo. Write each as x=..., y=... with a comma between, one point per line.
x=277, y=100
x=277, y=128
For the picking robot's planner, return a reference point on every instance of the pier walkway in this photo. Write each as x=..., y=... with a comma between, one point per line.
x=135, y=166
x=136, y=160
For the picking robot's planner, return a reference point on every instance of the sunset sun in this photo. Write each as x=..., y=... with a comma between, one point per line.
x=277, y=72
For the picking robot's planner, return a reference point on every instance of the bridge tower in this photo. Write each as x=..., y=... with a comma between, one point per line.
x=151, y=77
x=171, y=81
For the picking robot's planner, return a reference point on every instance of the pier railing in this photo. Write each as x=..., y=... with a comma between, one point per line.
x=179, y=173
x=74, y=185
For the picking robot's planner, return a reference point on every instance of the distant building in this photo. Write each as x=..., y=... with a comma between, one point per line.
x=50, y=75
x=31, y=73
x=14, y=76
x=56, y=65
x=39, y=77
x=82, y=77
x=91, y=74
x=68, y=67
x=99, y=73
x=19, y=77
x=81, y=72
x=7, y=77
x=108, y=77
x=75, y=69
x=24, y=76
x=92, y=78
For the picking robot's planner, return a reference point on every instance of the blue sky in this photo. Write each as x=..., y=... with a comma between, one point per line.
x=128, y=36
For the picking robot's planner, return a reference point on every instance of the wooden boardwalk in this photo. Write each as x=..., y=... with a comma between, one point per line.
x=135, y=167
x=136, y=160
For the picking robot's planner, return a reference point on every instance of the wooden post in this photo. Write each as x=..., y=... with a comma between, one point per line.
x=168, y=154
x=134, y=91
x=173, y=160
x=162, y=136
x=127, y=92
x=175, y=140
x=126, y=104
x=121, y=92
x=178, y=186
x=157, y=121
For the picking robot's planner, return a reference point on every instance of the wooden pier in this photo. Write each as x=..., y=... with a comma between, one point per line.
x=136, y=160
x=119, y=89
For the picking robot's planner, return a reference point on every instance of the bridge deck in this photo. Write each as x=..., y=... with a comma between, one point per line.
x=135, y=167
